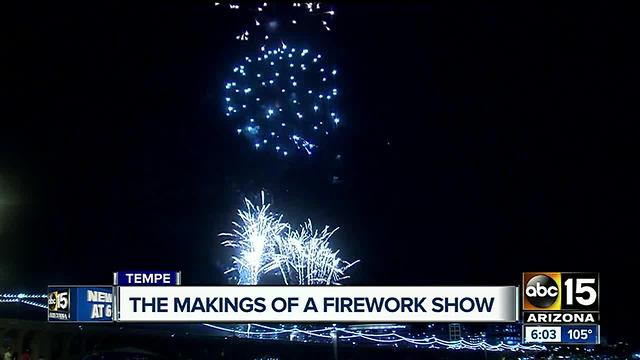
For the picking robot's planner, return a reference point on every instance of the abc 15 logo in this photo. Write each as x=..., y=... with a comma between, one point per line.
x=555, y=291
x=59, y=300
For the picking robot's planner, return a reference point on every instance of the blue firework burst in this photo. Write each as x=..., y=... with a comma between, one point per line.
x=283, y=99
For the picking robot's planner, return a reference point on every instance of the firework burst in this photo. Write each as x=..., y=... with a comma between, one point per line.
x=262, y=21
x=283, y=99
x=266, y=244
x=308, y=259
x=255, y=237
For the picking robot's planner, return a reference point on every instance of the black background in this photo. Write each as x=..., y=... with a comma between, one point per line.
x=481, y=140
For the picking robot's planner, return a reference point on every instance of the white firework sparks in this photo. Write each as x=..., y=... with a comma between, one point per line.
x=266, y=244
x=255, y=237
x=308, y=259
x=263, y=19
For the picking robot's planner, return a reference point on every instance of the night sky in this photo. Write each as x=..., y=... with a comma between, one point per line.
x=480, y=141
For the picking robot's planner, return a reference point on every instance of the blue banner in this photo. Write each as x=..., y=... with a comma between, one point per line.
x=80, y=304
x=147, y=278
x=580, y=334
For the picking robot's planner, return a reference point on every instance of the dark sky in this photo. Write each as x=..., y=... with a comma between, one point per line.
x=481, y=140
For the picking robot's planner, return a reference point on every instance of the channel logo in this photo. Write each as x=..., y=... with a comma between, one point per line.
x=542, y=291
x=59, y=300
x=553, y=291
x=59, y=304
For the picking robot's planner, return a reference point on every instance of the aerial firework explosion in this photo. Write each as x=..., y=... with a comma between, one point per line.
x=266, y=244
x=283, y=99
x=264, y=21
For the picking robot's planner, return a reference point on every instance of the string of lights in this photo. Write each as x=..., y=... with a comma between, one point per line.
x=391, y=338
x=326, y=333
x=23, y=298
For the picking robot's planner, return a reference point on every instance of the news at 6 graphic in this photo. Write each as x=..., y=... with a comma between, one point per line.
x=80, y=304
x=561, y=307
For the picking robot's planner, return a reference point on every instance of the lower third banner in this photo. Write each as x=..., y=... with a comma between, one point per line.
x=317, y=304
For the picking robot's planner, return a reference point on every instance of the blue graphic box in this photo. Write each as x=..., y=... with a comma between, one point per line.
x=80, y=303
